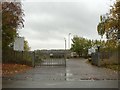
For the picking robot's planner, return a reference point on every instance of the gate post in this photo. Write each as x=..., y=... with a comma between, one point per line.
x=98, y=57
x=33, y=59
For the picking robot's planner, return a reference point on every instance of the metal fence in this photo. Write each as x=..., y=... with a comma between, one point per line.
x=102, y=58
x=33, y=59
x=18, y=57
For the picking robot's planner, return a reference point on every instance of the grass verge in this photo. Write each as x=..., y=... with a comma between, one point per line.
x=12, y=69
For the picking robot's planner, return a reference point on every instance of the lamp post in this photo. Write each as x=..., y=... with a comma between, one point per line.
x=65, y=43
x=69, y=40
x=65, y=52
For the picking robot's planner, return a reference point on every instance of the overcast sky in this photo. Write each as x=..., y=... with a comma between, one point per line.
x=48, y=23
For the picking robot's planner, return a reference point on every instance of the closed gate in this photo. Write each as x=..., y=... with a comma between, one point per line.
x=50, y=58
x=53, y=62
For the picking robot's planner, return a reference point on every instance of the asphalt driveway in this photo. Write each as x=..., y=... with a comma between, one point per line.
x=77, y=74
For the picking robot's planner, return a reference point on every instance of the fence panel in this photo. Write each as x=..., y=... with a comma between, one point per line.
x=18, y=57
x=109, y=58
x=102, y=58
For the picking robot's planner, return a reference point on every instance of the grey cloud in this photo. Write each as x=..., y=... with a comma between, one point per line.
x=52, y=21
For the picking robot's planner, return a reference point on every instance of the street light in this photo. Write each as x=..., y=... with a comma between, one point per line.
x=69, y=40
x=65, y=43
x=65, y=52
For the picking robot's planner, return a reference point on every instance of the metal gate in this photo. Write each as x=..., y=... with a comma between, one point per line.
x=50, y=58
x=53, y=62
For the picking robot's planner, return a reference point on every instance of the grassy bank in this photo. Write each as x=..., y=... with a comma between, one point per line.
x=113, y=67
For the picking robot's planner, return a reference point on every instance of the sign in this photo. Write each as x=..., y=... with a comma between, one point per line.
x=91, y=50
x=19, y=44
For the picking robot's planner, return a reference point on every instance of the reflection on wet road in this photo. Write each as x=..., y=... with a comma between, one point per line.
x=76, y=70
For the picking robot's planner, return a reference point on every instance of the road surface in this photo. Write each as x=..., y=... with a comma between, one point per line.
x=77, y=74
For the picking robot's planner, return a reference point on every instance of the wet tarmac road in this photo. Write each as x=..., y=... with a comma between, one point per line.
x=77, y=74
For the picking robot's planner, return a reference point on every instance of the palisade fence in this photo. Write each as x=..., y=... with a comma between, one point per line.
x=104, y=58
x=18, y=57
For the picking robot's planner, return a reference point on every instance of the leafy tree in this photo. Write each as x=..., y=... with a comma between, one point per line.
x=99, y=43
x=76, y=45
x=26, y=46
x=0, y=16
x=86, y=45
x=110, y=23
x=110, y=45
x=81, y=45
x=12, y=20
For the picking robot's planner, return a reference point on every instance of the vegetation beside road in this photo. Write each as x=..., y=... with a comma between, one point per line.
x=81, y=45
x=115, y=67
x=12, y=69
x=12, y=22
x=109, y=26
